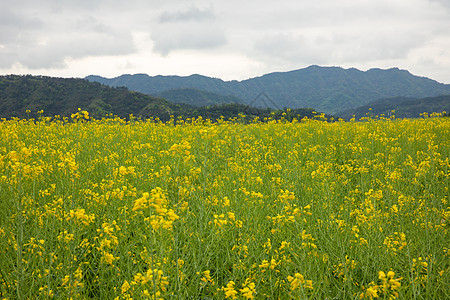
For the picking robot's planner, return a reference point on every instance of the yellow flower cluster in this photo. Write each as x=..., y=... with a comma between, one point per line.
x=157, y=202
x=298, y=281
x=388, y=287
x=247, y=291
x=150, y=285
x=80, y=216
x=395, y=242
x=80, y=115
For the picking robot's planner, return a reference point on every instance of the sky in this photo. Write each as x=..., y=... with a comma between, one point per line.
x=231, y=40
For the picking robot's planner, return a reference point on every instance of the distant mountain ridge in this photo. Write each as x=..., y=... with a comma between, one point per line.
x=327, y=89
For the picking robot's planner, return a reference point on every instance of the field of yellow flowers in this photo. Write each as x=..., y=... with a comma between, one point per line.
x=115, y=209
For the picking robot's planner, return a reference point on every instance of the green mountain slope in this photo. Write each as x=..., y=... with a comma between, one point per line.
x=63, y=96
x=401, y=107
x=197, y=97
x=328, y=89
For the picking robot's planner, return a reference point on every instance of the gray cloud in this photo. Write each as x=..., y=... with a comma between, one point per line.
x=53, y=52
x=171, y=37
x=45, y=39
x=294, y=49
x=13, y=26
x=191, y=14
x=286, y=48
x=265, y=36
x=374, y=45
x=444, y=3
x=192, y=28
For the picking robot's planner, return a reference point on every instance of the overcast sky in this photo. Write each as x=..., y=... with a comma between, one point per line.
x=227, y=39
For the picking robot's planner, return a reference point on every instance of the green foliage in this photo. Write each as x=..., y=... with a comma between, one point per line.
x=248, y=113
x=401, y=107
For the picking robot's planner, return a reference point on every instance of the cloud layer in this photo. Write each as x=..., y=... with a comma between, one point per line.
x=192, y=28
x=111, y=37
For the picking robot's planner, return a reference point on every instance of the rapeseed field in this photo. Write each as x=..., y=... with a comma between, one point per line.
x=290, y=209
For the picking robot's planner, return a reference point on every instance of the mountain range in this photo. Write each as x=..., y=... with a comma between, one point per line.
x=326, y=89
x=25, y=96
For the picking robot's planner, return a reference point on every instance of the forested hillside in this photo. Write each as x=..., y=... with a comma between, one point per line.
x=197, y=97
x=25, y=96
x=328, y=89
x=63, y=96
x=401, y=107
